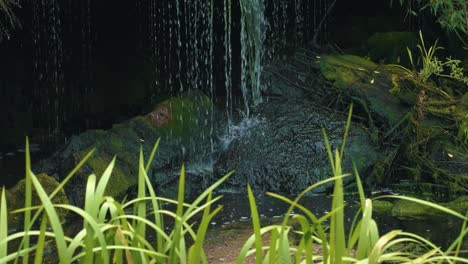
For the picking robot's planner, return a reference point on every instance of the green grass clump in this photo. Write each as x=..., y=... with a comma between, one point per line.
x=134, y=231
x=113, y=232
x=363, y=244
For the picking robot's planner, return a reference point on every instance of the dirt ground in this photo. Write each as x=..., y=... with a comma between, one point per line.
x=222, y=246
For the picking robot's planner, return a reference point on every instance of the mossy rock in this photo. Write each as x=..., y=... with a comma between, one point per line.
x=367, y=83
x=347, y=70
x=404, y=209
x=122, y=176
x=382, y=207
x=459, y=205
x=184, y=117
x=391, y=46
x=15, y=197
x=182, y=125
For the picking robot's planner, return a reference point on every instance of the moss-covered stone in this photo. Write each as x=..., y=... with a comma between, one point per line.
x=382, y=207
x=368, y=83
x=122, y=176
x=15, y=197
x=347, y=70
x=180, y=122
x=404, y=209
x=182, y=118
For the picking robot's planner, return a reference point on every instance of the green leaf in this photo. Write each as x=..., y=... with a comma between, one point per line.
x=3, y=225
x=27, y=201
x=38, y=258
x=63, y=253
x=256, y=226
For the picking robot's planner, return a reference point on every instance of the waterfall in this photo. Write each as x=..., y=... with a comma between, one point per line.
x=252, y=38
x=218, y=47
x=228, y=58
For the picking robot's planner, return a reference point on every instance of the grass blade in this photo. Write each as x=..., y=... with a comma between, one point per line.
x=41, y=241
x=141, y=206
x=345, y=136
x=196, y=251
x=91, y=209
x=3, y=226
x=151, y=157
x=63, y=253
x=102, y=184
x=379, y=246
x=179, y=218
x=156, y=207
x=337, y=232
x=27, y=201
x=256, y=226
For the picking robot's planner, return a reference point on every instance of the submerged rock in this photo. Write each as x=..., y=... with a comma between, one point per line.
x=181, y=123
x=285, y=152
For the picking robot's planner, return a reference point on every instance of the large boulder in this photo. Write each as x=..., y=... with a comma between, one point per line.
x=285, y=152
x=182, y=124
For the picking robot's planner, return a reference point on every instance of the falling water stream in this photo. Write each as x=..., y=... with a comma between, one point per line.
x=217, y=47
x=183, y=42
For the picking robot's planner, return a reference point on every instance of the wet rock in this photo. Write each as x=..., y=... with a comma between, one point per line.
x=15, y=197
x=285, y=152
x=404, y=209
x=182, y=125
x=367, y=83
x=382, y=207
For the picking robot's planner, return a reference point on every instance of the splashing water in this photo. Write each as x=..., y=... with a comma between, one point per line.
x=240, y=130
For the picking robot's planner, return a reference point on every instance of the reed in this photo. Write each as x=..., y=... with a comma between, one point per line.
x=134, y=231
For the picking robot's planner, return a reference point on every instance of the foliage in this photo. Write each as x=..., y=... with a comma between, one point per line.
x=452, y=14
x=432, y=66
x=363, y=244
x=110, y=232
x=126, y=232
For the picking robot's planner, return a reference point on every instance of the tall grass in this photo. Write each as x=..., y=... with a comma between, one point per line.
x=134, y=231
x=302, y=238
x=110, y=234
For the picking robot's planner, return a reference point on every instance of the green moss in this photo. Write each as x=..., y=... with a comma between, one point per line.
x=382, y=207
x=16, y=195
x=116, y=141
x=121, y=178
x=346, y=70
x=459, y=205
x=404, y=209
x=188, y=117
